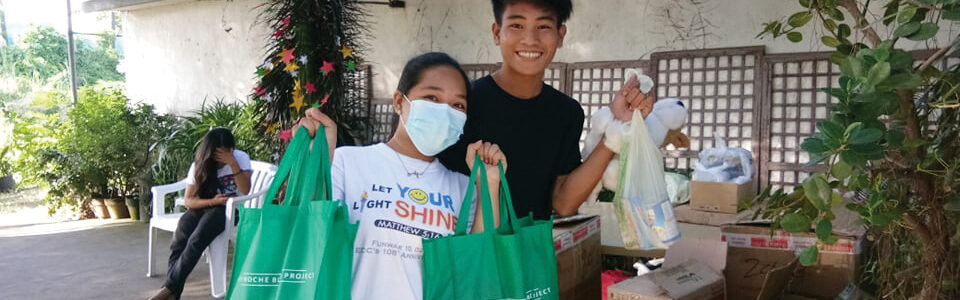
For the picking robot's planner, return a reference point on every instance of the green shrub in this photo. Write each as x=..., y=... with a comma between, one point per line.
x=103, y=150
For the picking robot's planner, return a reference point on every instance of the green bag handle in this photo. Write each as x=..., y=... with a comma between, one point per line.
x=292, y=156
x=508, y=217
x=485, y=203
x=317, y=182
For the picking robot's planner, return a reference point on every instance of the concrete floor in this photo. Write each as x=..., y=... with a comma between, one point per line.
x=89, y=259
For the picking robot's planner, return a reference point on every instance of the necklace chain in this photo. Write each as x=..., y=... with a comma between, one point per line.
x=414, y=173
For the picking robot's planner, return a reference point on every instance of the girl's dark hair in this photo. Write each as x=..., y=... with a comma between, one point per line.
x=415, y=67
x=205, y=166
x=562, y=8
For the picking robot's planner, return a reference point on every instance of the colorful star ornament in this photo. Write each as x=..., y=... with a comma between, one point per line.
x=271, y=127
x=297, y=97
x=327, y=68
x=351, y=66
x=324, y=101
x=291, y=68
x=346, y=51
x=286, y=55
x=310, y=88
x=259, y=90
x=286, y=135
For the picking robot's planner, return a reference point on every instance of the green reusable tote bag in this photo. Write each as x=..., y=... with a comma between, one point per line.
x=301, y=249
x=515, y=261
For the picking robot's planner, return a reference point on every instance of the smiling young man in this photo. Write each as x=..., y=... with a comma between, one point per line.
x=536, y=126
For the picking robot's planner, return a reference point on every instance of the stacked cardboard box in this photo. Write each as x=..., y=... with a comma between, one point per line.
x=577, y=244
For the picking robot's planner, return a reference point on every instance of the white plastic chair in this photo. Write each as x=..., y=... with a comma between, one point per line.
x=216, y=253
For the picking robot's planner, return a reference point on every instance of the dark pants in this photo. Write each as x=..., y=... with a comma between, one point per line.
x=195, y=231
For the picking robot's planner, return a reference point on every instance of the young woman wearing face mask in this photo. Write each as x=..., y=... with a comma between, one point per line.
x=397, y=191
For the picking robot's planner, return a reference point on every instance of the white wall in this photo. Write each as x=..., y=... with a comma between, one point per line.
x=180, y=53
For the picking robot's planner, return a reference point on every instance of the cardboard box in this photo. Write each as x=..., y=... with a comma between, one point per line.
x=577, y=245
x=719, y=196
x=692, y=280
x=690, y=271
x=753, y=253
x=686, y=214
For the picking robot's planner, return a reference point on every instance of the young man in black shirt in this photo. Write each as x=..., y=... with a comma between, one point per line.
x=536, y=126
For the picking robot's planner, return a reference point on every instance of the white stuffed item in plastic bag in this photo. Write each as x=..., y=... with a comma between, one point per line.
x=724, y=164
x=642, y=202
x=668, y=114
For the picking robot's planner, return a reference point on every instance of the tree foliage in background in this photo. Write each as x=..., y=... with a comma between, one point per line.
x=34, y=81
x=890, y=143
x=312, y=57
x=38, y=63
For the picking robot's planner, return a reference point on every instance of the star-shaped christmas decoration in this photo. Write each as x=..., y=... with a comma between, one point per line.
x=261, y=72
x=346, y=51
x=286, y=55
x=351, y=66
x=297, y=101
x=267, y=65
x=303, y=59
x=291, y=67
x=327, y=67
x=310, y=88
x=271, y=127
x=286, y=23
x=259, y=90
x=324, y=101
x=278, y=33
x=297, y=96
x=286, y=135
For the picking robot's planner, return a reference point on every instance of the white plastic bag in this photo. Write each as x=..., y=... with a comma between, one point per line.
x=724, y=164
x=678, y=187
x=643, y=205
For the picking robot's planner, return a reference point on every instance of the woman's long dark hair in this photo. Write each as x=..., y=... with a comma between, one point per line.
x=205, y=172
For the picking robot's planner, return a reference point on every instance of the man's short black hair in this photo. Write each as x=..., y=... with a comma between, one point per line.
x=562, y=8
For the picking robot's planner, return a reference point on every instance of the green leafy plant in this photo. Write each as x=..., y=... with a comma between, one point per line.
x=6, y=167
x=103, y=148
x=35, y=130
x=890, y=143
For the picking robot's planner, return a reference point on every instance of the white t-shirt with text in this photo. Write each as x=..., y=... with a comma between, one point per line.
x=395, y=212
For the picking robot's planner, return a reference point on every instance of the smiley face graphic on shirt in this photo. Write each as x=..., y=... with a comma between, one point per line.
x=418, y=196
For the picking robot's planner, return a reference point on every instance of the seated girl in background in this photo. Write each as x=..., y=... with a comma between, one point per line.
x=218, y=172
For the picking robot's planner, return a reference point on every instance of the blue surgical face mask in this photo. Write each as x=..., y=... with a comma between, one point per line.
x=433, y=126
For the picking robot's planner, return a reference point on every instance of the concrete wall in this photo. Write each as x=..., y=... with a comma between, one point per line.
x=181, y=52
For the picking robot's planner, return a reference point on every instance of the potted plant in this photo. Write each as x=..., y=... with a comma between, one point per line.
x=69, y=177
